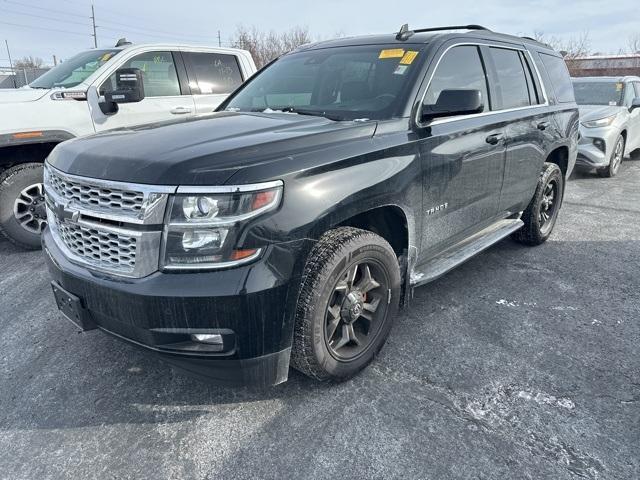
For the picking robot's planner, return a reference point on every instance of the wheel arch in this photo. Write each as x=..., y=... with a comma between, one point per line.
x=33, y=147
x=560, y=156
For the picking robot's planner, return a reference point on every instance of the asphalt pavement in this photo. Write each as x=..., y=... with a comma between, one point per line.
x=524, y=363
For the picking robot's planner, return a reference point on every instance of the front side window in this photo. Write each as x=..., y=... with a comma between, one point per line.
x=342, y=83
x=511, y=84
x=629, y=94
x=459, y=69
x=74, y=71
x=599, y=93
x=212, y=72
x=159, y=74
x=559, y=75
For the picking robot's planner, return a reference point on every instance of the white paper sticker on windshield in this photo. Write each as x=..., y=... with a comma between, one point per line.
x=613, y=104
x=401, y=69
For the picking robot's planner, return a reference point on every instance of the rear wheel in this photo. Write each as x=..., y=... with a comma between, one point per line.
x=540, y=216
x=615, y=161
x=22, y=209
x=350, y=293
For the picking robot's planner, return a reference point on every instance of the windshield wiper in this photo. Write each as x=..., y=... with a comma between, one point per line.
x=299, y=111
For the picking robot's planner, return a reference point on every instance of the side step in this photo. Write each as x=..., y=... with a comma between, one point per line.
x=463, y=251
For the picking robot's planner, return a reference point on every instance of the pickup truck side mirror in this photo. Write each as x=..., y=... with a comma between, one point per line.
x=634, y=104
x=129, y=89
x=454, y=102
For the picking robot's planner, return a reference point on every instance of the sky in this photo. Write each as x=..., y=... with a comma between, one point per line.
x=44, y=28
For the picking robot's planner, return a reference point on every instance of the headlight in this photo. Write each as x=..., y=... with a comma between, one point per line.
x=603, y=122
x=203, y=226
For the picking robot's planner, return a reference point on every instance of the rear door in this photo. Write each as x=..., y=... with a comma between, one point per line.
x=166, y=97
x=212, y=77
x=462, y=156
x=520, y=104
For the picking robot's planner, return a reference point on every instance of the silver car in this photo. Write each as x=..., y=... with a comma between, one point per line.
x=609, y=121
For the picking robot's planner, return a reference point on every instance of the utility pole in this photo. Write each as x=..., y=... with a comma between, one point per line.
x=15, y=84
x=93, y=20
x=219, y=39
x=55, y=60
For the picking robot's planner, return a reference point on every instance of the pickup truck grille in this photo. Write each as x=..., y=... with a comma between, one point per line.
x=113, y=227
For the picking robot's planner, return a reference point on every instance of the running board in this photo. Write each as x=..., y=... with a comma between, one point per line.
x=463, y=251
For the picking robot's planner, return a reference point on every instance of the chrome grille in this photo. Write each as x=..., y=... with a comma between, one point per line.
x=114, y=227
x=108, y=250
x=94, y=196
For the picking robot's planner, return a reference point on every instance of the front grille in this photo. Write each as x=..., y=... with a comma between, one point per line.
x=103, y=249
x=114, y=227
x=92, y=196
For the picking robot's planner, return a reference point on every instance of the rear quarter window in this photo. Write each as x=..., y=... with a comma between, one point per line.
x=559, y=76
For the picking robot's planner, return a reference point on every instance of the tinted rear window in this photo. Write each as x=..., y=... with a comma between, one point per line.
x=512, y=82
x=559, y=75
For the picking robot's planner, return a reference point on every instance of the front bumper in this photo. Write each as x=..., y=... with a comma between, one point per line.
x=595, y=146
x=252, y=308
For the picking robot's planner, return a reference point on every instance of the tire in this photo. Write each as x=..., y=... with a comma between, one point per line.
x=327, y=288
x=20, y=186
x=615, y=161
x=538, y=220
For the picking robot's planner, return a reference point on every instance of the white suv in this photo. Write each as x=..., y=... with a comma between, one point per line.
x=78, y=97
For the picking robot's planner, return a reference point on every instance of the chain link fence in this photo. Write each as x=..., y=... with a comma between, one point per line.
x=19, y=77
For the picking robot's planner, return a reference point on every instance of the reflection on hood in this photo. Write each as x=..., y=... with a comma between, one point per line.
x=596, y=112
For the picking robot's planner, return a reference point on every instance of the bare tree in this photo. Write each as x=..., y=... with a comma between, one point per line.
x=572, y=47
x=634, y=43
x=29, y=62
x=265, y=46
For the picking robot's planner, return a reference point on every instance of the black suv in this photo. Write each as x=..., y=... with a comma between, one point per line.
x=289, y=227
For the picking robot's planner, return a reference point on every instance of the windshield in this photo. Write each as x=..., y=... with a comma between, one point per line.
x=598, y=93
x=343, y=83
x=74, y=71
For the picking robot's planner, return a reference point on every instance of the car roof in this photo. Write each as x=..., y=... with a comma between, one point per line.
x=622, y=79
x=424, y=36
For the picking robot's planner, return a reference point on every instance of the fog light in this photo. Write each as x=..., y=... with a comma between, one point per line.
x=599, y=143
x=209, y=338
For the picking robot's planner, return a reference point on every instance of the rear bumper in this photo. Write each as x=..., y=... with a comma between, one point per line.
x=251, y=307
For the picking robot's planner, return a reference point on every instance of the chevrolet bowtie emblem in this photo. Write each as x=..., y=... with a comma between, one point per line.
x=64, y=212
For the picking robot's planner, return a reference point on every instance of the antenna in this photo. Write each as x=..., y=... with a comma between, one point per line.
x=404, y=32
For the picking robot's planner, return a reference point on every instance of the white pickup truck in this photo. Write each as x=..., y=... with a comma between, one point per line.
x=88, y=93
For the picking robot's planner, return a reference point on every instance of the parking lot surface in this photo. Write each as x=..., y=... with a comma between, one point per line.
x=522, y=363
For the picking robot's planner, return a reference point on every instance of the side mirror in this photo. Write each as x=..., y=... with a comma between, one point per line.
x=454, y=102
x=129, y=87
x=634, y=104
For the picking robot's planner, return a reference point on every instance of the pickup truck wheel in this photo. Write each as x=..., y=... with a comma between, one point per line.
x=22, y=209
x=540, y=216
x=349, y=295
x=615, y=161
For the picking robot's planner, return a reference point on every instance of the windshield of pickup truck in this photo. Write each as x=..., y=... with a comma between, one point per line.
x=74, y=71
x=598, y=93
x=341, y=83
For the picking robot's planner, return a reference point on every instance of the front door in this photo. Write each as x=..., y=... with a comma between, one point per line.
x=462, y=157
x=163, y=94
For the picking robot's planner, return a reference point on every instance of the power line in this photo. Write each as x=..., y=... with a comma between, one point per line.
x=43, y=28
x=46, y=18
x=45, y=9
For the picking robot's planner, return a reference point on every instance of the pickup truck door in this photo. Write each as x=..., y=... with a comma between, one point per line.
x=166, y=96
x=462, y=157
x=212, y=77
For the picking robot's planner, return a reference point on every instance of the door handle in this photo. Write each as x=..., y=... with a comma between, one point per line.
x=543, y=125
x=494, y=139
x=180, y=110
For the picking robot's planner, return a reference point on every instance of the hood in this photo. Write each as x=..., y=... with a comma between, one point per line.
x=19, y=95
x=201, y=151
x=596, y=112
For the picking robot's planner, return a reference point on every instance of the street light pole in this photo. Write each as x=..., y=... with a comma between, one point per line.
x=15, y=84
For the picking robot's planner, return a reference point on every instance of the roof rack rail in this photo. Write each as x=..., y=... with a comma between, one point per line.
x=404, y=32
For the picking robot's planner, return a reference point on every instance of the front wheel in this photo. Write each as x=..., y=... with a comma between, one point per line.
x=540, y=216
x=349, y=295
x=22, y=209
x=615, y=161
